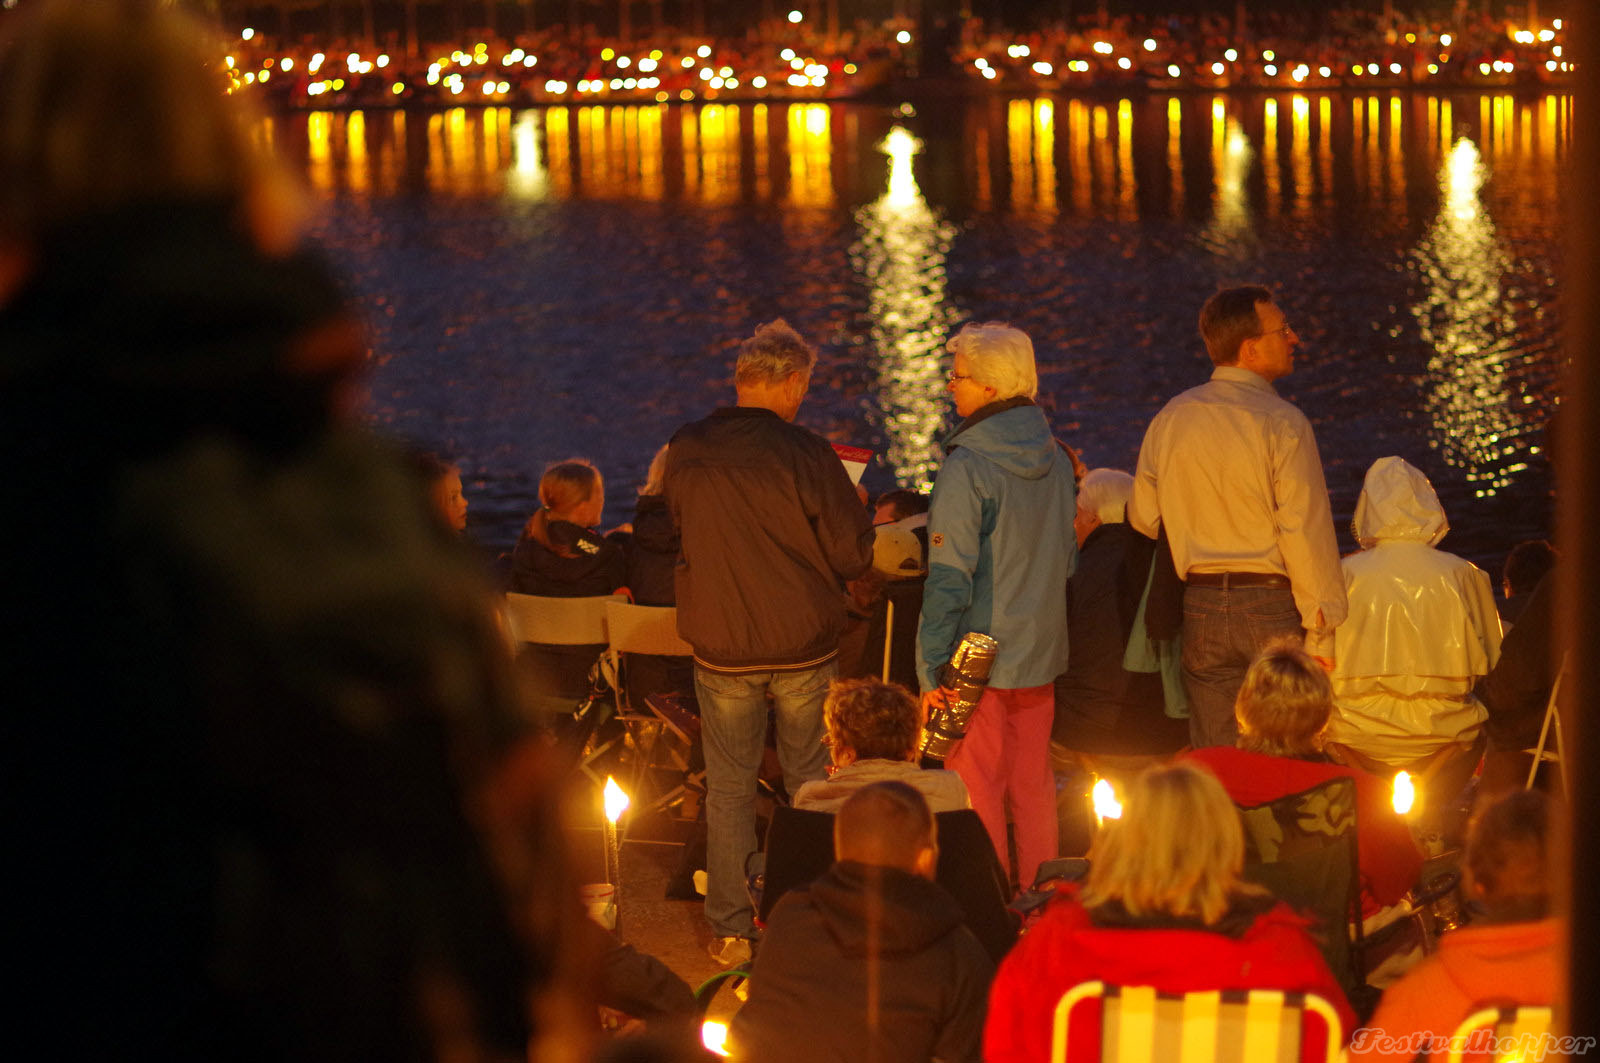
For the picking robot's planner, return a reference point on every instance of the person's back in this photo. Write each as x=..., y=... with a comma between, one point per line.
x=1512, y=955
x=1422, y=626
x=872, y=960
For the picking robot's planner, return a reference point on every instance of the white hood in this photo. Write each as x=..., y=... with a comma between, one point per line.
x=1397, y=502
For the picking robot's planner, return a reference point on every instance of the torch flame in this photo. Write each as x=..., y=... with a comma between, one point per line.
x=714, y=1035
x=1106, y=805
x=1405, y=794
x=616, y=800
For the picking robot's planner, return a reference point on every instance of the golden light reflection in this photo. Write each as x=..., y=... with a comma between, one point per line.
x=358, y=173
x=1127, y=191
x=558, y=145
x=1044, y=154
x=1396, y=156
x=1078, y=174
x=901, y=257
x=1231, y=156
x=1325, y=148
x=759, y=161
x=1269, y=156
x=319, y=137
x=1300, y=155
x=719, y=152
x=529, y=178
x=1464, y=319
x=810, y=155
x=1175, y=153
x=1019, y=145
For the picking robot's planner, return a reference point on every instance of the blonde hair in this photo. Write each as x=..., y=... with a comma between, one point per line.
x=1285, y=702
x=655, y=479
x=112, y=102
x=1177, y=850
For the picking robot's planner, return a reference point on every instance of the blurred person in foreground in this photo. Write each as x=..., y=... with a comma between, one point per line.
x=1422, y=627
x=1511, y=952
x=1000, y=549
x=872, y=730
x=1164, y=906
x=259, y=705
x=1283, y=709
x=872, y=960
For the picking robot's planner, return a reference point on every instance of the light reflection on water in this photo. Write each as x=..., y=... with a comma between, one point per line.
x=517, y=258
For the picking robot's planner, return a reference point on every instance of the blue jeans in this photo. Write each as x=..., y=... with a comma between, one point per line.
x=733, y=730
x=1223, y=630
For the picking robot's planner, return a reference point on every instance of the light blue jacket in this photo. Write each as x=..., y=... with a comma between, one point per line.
x=1000, y=548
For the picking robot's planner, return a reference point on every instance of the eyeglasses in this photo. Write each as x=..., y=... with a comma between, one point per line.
x=953, y=377
x=1285, y=329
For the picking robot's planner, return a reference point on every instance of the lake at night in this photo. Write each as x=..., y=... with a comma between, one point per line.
x=542, y=284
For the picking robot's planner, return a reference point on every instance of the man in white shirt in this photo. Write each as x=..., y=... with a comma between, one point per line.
x=1232, y=471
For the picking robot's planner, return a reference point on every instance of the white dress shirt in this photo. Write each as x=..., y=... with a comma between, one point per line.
x=1232, y=470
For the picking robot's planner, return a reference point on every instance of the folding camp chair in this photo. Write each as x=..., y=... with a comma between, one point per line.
x=662, y=738
x=1551, y=746
x=1303, y=848
x=1502, y=1034
x=542, y=623
x=1138, y=1024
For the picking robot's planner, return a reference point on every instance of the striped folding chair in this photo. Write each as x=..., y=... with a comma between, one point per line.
x=1501, y=1034
x=1139, y=1024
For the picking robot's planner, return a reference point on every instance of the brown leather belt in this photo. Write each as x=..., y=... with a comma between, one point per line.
x=1236, y=579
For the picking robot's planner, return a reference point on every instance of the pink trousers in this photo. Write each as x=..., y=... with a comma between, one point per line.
x=1005, y=758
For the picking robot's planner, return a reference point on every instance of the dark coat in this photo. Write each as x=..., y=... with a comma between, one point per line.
x=652, y=553
x=809, y=992
x=770, y=526
x=577, y=564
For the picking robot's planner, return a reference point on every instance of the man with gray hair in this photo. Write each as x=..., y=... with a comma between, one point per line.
x=770, y=525
x=1000, y=549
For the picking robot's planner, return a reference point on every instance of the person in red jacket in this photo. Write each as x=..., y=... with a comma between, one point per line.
x=1510, y=956
x=1164, y=906
x=1282, y=709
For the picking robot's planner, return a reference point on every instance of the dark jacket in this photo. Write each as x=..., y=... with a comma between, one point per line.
x=810, y=988
x=1102, y=707
x=1517, y=689
x=652, y=553
x=770, y=525
x=582, y=564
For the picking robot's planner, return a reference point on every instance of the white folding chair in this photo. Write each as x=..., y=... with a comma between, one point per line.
x=1139, y=1024
x=1550, y=733
x=653, y=630
x=1502, y=1035
x=537, y=620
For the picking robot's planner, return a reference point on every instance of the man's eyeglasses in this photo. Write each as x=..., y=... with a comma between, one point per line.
x=1284, y=329
x=953, y=377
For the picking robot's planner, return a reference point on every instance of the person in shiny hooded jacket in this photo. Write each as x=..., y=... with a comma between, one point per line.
x=1422, y=626
x=1000, y=550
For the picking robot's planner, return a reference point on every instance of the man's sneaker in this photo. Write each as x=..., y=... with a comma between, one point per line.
x=730, y=952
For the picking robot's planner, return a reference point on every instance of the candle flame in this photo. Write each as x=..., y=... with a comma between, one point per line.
x=616, y=800
x=1106, y=805
x=1405, y=794
x=714, y=1035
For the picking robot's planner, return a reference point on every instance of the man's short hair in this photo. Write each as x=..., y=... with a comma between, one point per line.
x=905, y=503
x=884, y=824
x=1285, y=701
x=998, y=356
x=1508, y=853
x=871, y=718
x=1105, y=493
x=1229, y=318
x=772, y=354
x=1526, y=565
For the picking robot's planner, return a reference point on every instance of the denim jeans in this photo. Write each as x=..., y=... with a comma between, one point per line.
x=1223, y=630
x=733, y=730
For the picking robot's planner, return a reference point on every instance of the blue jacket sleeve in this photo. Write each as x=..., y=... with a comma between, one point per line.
x=955, y=527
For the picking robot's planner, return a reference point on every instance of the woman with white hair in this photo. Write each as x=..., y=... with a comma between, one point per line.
x=1000, y=549
x=1164, y=906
